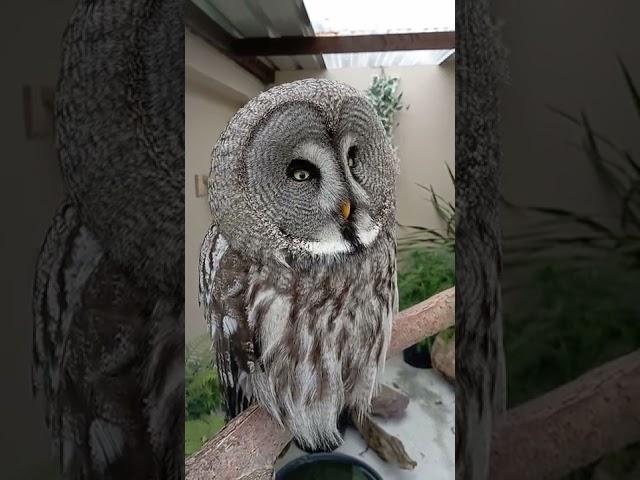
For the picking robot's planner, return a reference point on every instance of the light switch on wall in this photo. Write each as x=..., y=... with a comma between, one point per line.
x=38, y=111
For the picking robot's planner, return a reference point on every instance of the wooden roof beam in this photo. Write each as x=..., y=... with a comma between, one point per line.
x=284, y=46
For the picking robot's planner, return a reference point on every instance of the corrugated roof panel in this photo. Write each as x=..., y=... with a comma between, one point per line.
x=275, y=18
x=385, y=59
x=240, y=16
x=288, y=17
x=265, y=18
x=365, y=17
x=362, y=17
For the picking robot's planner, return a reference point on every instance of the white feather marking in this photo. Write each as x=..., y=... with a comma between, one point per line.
x=244, y=385
x=220, y=248
x=260, y=297
x=106, y=442
x=227, y=373
x=314, y=153
x=369, y=235
x=272, y=331
x=229, y=325
x=328, y=247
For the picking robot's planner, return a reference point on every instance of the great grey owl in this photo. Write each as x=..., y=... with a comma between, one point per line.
x=108, y=298
x=480, y=367
x=298, y=270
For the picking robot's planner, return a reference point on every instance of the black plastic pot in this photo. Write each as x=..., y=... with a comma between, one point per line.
x=327, y=466
x=417, y=357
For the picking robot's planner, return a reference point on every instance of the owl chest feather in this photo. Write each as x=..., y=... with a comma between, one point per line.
x=304, y=342
x=320, y=334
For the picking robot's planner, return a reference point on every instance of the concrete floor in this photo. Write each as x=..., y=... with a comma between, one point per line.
x=427, y=429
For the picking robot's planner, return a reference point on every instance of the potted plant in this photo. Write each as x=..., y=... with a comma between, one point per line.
x=426, y=266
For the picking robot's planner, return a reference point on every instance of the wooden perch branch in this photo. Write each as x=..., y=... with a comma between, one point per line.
x=572, y=426
x=422, y=320
x=247, y=447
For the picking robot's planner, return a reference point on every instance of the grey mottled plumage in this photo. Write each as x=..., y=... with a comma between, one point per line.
x=299, y=292
x=109, y=285
x=480, y=372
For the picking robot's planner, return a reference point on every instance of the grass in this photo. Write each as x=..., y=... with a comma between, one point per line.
x=198, y=431
x=575, y=319
x=202, y=395
x=421, y=274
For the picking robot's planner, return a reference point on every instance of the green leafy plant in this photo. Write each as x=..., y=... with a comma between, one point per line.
x=426, y=256
x=386, y=100
x=422, y=274
x=202, y=395
x=198, y=431
x=621, y=174
x=417, y=236
x=586, y=295
x=572, y=320
x=581, y=309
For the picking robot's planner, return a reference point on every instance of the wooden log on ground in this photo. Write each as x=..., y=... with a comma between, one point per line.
x=443, y=356
x=248, y=446
x=387, y=447
x=572, y=426
x=389, y=403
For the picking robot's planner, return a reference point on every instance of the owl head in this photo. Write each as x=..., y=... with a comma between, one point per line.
x=304, y=171
x=120, y=133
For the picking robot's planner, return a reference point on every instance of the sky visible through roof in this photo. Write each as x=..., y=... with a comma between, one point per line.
x=364, y=17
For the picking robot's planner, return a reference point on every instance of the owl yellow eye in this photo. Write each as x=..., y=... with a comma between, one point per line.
x=301, y=170
x=301, y=175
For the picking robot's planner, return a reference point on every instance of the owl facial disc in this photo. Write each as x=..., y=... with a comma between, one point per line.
x=304, y=171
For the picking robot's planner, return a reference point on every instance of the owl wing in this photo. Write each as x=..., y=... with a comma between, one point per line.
x=104, y=361
x=223, y=284
x=68, y=257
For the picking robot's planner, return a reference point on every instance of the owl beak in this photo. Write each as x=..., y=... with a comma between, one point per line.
x=345, y=209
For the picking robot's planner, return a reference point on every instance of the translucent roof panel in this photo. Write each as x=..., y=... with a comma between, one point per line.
x=365, y=17
x=361, y=17
x=386, y=59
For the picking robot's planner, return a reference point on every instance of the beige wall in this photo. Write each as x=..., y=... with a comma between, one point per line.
x=426, y=134
x=208, y=66
x=215, y=88
x=31, y=193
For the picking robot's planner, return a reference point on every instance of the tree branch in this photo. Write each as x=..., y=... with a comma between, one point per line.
x=572, y=426
x=248, y=446
x=422, y=320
